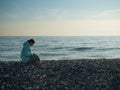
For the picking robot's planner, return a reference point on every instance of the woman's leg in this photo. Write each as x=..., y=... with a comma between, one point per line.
x=34, y=58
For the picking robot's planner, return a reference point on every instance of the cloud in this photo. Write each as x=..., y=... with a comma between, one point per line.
x=108, y=14
x=58, y=14
x=61, y=14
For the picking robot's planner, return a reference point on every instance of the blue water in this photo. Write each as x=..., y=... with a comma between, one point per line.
x=62, y=48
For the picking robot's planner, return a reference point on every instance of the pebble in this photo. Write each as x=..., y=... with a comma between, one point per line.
x=61, y=75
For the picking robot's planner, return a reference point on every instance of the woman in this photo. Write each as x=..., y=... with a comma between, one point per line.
x=26, y=55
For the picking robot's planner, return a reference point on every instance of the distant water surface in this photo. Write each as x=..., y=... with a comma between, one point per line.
x=62, y=48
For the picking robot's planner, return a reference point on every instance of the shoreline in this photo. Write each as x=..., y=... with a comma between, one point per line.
x=66, y=59
x=82, y=74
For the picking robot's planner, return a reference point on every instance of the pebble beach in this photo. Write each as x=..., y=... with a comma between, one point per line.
x=103, y=74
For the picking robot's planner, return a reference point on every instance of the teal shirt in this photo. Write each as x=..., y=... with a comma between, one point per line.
x=26, y=52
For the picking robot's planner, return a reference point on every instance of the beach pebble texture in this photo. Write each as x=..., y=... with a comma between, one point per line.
x=61, y=75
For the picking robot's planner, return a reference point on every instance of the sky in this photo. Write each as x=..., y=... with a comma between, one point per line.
x=59, y=17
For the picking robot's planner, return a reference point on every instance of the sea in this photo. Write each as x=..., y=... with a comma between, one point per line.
x=62, y=47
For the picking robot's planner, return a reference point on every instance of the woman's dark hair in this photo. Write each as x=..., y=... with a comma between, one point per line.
x=31, y=40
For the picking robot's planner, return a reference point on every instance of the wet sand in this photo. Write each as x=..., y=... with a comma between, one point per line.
x=61, y=75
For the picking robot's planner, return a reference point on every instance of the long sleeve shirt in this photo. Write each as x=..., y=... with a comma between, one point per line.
x=26, y=52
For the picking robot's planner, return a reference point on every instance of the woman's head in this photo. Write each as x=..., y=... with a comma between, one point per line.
x=31, y=42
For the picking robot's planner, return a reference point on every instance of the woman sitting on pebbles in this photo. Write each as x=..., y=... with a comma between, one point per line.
x=26, y=55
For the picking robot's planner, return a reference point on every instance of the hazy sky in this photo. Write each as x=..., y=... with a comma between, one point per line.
x=59, y=17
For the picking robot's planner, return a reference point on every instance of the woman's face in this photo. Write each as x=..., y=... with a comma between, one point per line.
x=31, y=43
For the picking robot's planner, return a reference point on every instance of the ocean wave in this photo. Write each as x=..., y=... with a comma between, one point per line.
x=108, y=48
x=82, y=48
x=51, y=54
x=58, y=48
